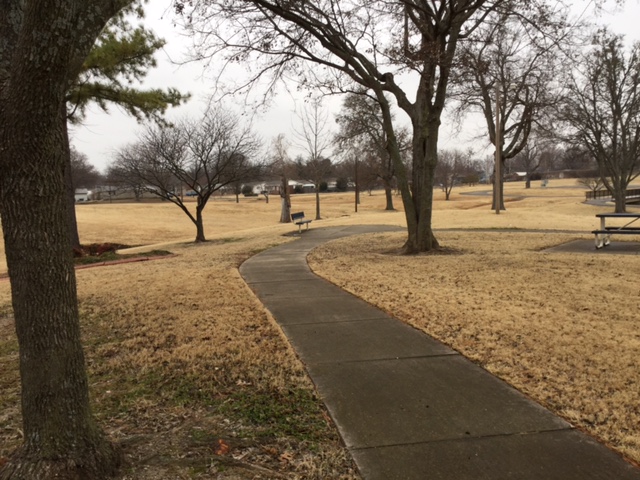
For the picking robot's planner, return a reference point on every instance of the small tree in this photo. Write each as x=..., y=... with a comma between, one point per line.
x=204, y=156
x=528, y=160
x=362, y=134
x=593, y=184
x=314, y=137
x=282, y=166
x=452, y=165
x=510, y=68
x=603, y=111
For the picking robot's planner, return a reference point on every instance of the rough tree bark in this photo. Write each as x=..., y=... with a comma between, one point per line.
x=39, y=42
x=285, y=211
x=199, y=223
x=317, y=189
x=388, y=193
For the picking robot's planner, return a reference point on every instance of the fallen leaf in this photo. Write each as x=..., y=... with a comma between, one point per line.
x=222, y=448
x=286, y=457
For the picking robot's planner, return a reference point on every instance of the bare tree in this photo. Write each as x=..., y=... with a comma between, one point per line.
x=351, y=41
x=362, y=134
x=603, y=111
x=593, y=184
x=512, y=64
x=236, y=189
x=282, y=166
x=83, y=173
x=452, y=166
x=202, y=156
x=528, y=160
x=577, y=157
x=361, y=169
x=121, y=175
x=313, y=136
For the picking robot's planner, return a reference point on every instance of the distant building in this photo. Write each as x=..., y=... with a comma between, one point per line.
x=83, y=195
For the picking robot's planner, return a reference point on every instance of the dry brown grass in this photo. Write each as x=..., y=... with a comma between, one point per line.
x=181, y=355
x=175, y=349
x=562, y=328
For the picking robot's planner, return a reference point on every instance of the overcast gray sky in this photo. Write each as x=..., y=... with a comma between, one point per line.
x=102, y=133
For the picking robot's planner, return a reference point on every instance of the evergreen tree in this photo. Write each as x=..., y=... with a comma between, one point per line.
x=121, y=57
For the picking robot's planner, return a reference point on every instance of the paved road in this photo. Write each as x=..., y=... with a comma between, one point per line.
x=407, y=406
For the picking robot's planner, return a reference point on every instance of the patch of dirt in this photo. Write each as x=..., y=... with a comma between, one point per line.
x=206, y=446
x=434, y=252
x=107, y=253
x=97, y=249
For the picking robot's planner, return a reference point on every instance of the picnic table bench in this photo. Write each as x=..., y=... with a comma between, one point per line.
x=298, y=219
x=603, y=235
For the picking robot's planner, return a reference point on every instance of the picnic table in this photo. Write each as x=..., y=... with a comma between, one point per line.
x=603, y=235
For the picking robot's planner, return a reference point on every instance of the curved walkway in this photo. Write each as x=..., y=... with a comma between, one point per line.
x=407, y=406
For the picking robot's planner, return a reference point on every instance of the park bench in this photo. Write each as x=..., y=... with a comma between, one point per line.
x=298, y=219
x=603, y=235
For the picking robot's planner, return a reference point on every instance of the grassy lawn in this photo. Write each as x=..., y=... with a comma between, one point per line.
x=194, y=378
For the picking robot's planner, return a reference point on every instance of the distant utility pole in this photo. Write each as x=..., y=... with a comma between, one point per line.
x=357, y=191
x=498, y=170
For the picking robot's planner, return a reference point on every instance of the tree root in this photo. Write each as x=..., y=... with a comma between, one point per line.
x=98, y=464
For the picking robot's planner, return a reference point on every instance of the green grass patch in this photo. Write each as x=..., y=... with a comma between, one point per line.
x=295, y=413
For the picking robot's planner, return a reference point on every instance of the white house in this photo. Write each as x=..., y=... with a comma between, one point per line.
x=83, y=195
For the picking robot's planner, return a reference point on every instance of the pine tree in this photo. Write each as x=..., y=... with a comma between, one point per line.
x=121, y=57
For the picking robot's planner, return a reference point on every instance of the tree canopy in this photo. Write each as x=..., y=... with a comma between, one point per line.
x=603, y=110
x=347, y=45
x=202, y=156
x=122, y=56
x=513, y=63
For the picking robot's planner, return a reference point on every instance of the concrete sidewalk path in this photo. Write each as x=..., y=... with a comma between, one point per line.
x=407, y=406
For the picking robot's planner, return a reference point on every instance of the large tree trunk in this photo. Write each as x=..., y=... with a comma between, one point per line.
x=318, y=201
x=59, y=432
x=500, y=192
x=501, y=197
x=40, y=41
x=199, y=223
x=60, y=436
x=417, y=194
x=285, y=211
x=388, y=193
x=620, y=198
x=425, y=158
